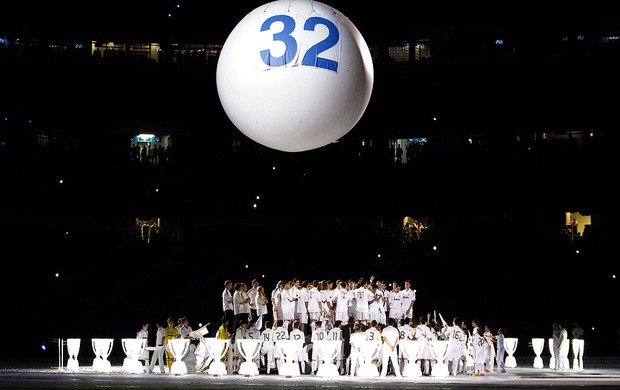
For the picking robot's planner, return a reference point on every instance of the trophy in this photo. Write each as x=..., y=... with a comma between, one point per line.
x=370, y=350
x=179, y=348
x=290, y=349
x=73, y=348
x=410, y=351
x=538, y=344
x=552, y=358
x=133, y=348
x=102, y=349
x=441, y=352
x=249, y=350
x=216, y=349
x=327, y=351
x=511, y=347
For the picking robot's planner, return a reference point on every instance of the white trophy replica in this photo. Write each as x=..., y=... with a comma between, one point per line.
x=370, y=350
x=327, y=351
x=179, y=348
x=290, y=349
x=133, y=348
x=249, y=350
x=410, y=352
x=440, y=347
x=578, y=345
x=73, y=348
x=538, y=344
x=216, y=349
x=102, y=349
x=511, y=347
x=552, y=358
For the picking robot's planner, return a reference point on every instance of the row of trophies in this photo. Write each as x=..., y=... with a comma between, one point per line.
x=211, y=352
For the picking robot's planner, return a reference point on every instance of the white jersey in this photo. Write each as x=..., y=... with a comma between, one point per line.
x=408, y=296
x=334, y=334
x=288, y=304
x=363, y=296
x=395, y=300
x=302, y=298
x=373, y=334
x=319, y=334
x=314, y=297
x=406, y=332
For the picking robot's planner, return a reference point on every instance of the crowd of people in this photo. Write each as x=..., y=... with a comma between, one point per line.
x=352, y=311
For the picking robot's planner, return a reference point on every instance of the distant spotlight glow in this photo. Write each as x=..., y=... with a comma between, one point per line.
x=378, y=254
x=60, y=181
x=57, y=274
x=577, y=251
x=434, y=247
x=247, y=266
x=43, y=347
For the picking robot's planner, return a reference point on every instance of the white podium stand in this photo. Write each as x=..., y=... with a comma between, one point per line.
x=249, y=350
x=133, y=348
x=511, y=347
x=411, y=348
x=290, y=349
x=73, y=348
x=102, y=349
x=538, y=344
x=440, y=347
x=179, y=348
x=327, y=351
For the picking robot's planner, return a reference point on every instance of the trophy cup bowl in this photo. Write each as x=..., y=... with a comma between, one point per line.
x=440, y=347
x=102, y=349
x=411, y=348
x=133, y=348
x=179, y=348
x=73, y=348
x=216, y=349
x=538, y=344
x=511, y=347
x=249, y=350
x=290, y=349
x=327, y=351
x=370, y=350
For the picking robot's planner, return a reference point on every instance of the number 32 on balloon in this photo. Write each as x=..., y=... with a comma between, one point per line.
x=294, y=75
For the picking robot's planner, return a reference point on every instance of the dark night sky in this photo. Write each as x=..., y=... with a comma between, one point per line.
x=93, y=267
x=375, y=20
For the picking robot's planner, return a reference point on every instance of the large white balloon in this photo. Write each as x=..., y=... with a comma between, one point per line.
x=295, y=75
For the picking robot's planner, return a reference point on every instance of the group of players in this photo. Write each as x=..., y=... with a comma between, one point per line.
x=352, y=311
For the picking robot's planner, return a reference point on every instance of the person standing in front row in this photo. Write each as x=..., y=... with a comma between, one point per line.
x=158, y=353
x=390, y=336
x=501, y=350
x=170, y=333
x=227, y=304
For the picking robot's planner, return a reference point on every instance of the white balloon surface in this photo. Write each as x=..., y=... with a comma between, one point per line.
x=295, y=75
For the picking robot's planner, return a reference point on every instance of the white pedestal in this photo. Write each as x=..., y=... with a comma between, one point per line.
x=102, y=349
x=179, y=348
x=249, y=350
x=538, y=344
x=73, y=348
x=133, y=348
